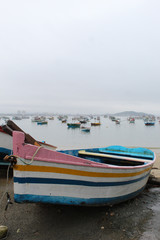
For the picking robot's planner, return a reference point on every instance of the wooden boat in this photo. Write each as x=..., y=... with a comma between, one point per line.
x=6, y=145
x=149, y=122
x=131, y=120
x=37, y=119
x=112, y=118
x=117, y=121
x=96, y=123
x=42, y=123
x=51, y=118
x=83, y=120
x=17, y=118
x=64, y=120
x=85, y=129
x=77, y=177
x=73, y=124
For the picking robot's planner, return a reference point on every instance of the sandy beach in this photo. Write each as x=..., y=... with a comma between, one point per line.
x=135, y=219
x=156, y=168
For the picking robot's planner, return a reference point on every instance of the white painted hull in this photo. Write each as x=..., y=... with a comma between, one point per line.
x=55, y=177
x=54, y=187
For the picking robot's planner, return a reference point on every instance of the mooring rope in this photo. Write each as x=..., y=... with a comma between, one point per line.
x=7, y=177
x=32, y=157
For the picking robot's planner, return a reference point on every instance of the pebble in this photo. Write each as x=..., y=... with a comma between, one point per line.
x=112, y=214
x=3, y=231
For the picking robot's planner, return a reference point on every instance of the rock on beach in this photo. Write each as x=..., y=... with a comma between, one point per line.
x=3, y=231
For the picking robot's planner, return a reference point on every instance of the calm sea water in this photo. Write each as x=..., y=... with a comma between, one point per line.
x=125, y=134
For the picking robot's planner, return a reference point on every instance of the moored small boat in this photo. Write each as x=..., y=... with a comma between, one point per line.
x=96, y=123
x=42, y=122
x=51, y=118
x=131, y=120
x=37, y=119
x=85, y=128
x=64, y=120
x=149, y=122
x=73, y=124
x=17, y=118
x=117, y=121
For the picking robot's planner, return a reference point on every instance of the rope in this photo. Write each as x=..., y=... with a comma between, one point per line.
x=32, y=157
x=12, y=158
x=6, y=188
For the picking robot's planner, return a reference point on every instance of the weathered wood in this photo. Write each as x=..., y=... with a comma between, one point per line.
x=7, y=129
x=28, y=138
x=11, y=126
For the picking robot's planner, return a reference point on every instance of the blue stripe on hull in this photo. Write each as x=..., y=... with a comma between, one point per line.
x=73, y=182
x=5, y=150
x=73, y=201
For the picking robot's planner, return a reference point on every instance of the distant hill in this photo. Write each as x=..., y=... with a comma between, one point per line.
x=132, y=113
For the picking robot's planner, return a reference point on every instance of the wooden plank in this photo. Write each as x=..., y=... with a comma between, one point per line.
x=83, y=152
x=28, y=138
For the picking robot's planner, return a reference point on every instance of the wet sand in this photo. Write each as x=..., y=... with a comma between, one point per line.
x=135, y=219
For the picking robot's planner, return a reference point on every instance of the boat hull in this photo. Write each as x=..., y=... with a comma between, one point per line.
x=5, y=146
x=51, y=183
x=86, y=129
x=73, y=125
x=95, y=124
x=59, y=178
x=42, y=123
x=149, y=123
x=76, y=185
x=61, y=200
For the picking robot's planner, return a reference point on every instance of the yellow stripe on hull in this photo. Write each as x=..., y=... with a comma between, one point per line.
x=32, y=168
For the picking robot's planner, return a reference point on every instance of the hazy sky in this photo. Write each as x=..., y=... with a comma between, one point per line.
x=83, y=56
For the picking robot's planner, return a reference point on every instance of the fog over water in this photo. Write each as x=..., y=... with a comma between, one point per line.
x=79, y=57
x=108, y=133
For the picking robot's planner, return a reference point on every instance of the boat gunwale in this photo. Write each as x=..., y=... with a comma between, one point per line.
x=78, y=161
x=94, y=165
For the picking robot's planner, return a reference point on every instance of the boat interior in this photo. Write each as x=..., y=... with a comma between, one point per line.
x=120, y=158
